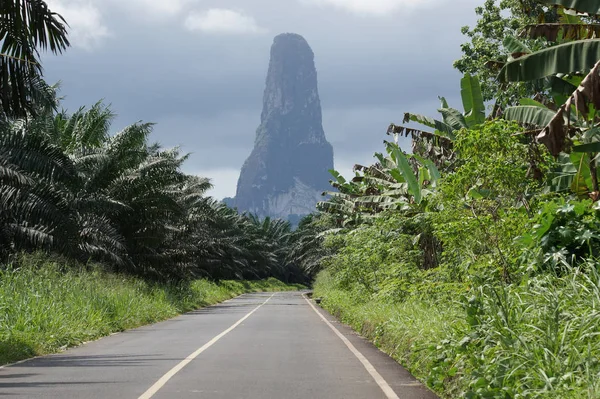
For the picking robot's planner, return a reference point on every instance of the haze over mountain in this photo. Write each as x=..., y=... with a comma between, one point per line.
x=288, y=168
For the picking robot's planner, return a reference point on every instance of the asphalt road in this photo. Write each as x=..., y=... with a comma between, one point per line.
x=281, y=349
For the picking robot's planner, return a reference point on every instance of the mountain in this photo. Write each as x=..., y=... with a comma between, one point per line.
x=287, y=170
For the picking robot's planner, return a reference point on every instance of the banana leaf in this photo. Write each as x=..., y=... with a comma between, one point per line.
x=577, y=56
x=406, y=170
x=530, y=115
x=472, y=100
x=444, y=128
x=454, y=118
x=589, y=6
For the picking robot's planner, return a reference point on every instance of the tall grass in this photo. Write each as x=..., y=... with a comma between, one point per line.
x=538, y=339
x=47, y=305
x=408, y=330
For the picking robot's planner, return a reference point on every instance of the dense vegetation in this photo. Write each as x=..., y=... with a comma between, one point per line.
x=100, y=232
x=473, y=260
x=70, y=187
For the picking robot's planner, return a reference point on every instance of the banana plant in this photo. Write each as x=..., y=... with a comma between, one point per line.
x=437, y=145
x=397, y=181
x=575, y=122
x=571, y=66
x=452, y=119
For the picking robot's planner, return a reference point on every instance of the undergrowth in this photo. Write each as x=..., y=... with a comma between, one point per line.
x=538, y=339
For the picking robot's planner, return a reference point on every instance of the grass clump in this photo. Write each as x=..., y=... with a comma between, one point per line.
x=47, y=305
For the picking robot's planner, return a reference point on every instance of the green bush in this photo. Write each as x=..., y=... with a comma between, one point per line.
x=565, y=232
x=379, y=260
x=485, y=203
x=538, y=339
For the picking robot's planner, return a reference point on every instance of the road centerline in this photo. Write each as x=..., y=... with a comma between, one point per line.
x=171, y=373
x=385, y=387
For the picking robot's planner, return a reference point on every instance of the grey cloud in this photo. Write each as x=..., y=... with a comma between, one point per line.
x=205, y=91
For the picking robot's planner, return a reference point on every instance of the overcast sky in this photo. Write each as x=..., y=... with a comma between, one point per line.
x=197, y=68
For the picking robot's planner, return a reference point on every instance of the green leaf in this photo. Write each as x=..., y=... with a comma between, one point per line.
x=577, y=56
x=529, y=101
x=444, y=128
x=515, y=46
x=404, y=167
x=560, y=88
x=530, y=115
x=472, y=100
x=433, y=170
x=454, y=118
x=423, y=175
x=589, y=147
x=582, y=183
x=444, y=103
x=337, y=175
x=591, y=133
x=568, y=17
x=589, y=6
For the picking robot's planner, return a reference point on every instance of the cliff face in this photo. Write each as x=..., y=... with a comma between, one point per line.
x=288, y=168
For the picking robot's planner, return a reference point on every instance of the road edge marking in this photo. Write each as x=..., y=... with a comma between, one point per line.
x=165, y=378
x=385, y=387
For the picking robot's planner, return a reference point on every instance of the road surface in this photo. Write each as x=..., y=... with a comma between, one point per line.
x=256, y=346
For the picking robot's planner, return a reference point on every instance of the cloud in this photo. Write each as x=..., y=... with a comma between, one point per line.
x=222, y=21
x=371, y=7
x=86, y=29
x=159, y=7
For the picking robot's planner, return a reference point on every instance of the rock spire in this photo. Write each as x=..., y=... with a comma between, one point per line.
x=287, y=170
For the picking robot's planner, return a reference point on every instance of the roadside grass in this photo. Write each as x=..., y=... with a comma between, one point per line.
x=407, y=331
x=538, y=339
x=47, y=305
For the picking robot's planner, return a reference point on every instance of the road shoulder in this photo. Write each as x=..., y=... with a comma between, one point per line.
x=404, y=384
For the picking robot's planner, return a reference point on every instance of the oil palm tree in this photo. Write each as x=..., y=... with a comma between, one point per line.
x=26, y=27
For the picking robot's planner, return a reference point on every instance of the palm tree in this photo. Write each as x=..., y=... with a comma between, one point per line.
x=26, y=26
x=68, y=186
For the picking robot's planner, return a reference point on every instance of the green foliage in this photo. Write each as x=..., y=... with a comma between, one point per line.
x=453, y=119
x=472, y=100
x=493, y=162
x=496, y=229
x=587, y=6
x=49, y=304
x=565, y=58
x=529, y=115
x=26, y=27
x=381, y=260
x=68, y=186
x=487, y=49
x=398, y=182
x=565, y=232
x=409, y=331
x=536, y=340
